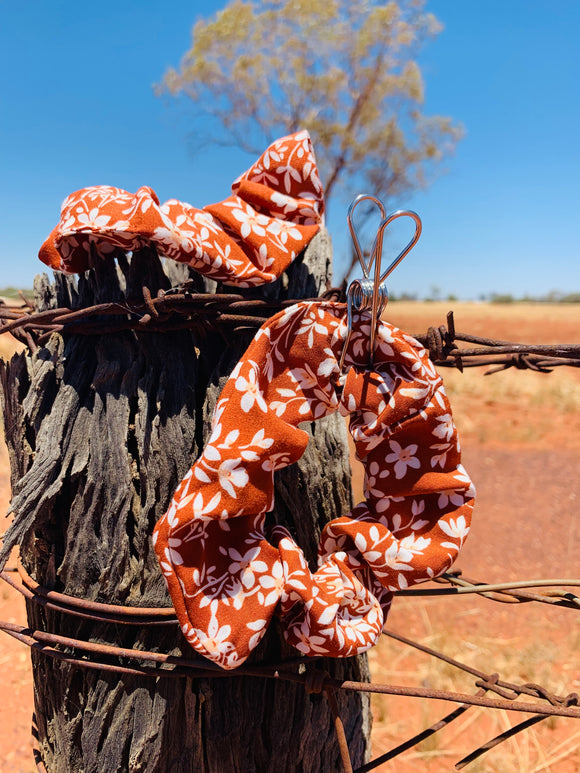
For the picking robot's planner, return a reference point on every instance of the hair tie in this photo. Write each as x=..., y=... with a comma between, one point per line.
x=248, y=239
x=227, y=576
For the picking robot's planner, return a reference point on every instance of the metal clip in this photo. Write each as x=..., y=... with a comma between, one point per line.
x=364, y=294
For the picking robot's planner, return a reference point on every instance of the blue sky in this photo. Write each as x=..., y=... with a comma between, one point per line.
x=77, y=108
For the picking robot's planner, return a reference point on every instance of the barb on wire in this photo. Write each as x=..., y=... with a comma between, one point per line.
x=496, y=354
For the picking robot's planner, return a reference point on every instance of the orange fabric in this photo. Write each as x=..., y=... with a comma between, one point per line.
x=227, y=577
x=248, y=239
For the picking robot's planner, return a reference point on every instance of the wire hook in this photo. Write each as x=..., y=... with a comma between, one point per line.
x=366, y=294
x=366, y=269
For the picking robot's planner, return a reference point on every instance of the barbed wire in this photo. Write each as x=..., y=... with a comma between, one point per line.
x=301, y=670
x=184, y=309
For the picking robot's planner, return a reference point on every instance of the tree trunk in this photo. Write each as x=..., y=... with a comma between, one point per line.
x=100, y=430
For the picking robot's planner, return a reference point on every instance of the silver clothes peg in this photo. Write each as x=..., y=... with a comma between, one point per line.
x=364, y=294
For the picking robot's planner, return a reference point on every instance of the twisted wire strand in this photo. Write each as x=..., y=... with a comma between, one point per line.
x=182, y=309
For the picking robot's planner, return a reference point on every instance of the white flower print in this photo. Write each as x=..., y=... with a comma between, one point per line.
x=458, y=496
x=415, y=544
x=397, y=557
x=373, y=475
x=284, y=202
x=251, y=389
x=93, y=219
x=221, y=406
x=229, y=439
x=415, y=393
x=272, y=585
x=173, y=235
x=171, y=516
x=245, y=565
x=319, y=400
x=311, y=324
x=370, y=419
x=329, y=366
x=454, y=496
x=261, y=441
x=171, y=554
x=403, y=458
x=262, y=258
x=276, y=462
x=417, y=508
x=260, y=627
x=445, y=428
x=284, y=230
x=333, y=580
x=252, y=221
x=208, y=223
x=272, y=156
x=67, y=226
x=289, y=174
x=456, y=528
x=310, y=207
x=198, y=508
x=115, y=218
x=441, y=457
x=215, y=641
x=307, y=642
x=360, y=342
x=232, y=476
x=462, y=476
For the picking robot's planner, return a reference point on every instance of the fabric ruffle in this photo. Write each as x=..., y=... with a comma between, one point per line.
x=227, y=577
x=248, y=239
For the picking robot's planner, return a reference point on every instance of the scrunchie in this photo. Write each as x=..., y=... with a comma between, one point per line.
x=226, y=577
x=248, y=239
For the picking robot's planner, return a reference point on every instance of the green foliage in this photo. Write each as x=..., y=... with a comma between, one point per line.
x=554, y=296
x=343, y=69
x=14, y=293
x=501, y=298
x=403, y=297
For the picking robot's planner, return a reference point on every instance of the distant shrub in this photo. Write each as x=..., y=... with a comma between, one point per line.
x=14, y=292
x=501, y=298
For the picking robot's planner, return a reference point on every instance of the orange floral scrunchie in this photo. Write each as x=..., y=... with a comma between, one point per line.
x=227, y=577
x=248, y=239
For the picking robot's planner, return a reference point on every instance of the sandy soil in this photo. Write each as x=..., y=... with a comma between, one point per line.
x=525, y=526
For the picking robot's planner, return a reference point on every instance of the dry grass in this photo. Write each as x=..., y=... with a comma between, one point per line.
x=552, y=745
x=535, y=409
x=9, y=345
x=539, y=323
x=514, y=409
x=528, y=408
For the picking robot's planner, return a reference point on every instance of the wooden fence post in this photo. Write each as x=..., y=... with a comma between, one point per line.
x=100, y=430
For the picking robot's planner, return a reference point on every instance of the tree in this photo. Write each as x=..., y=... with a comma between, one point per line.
x=345, y=70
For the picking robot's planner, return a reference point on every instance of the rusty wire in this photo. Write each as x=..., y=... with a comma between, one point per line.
x=183, y=309
x=90, y=655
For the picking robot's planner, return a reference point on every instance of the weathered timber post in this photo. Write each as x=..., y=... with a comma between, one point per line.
x=101, y=429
